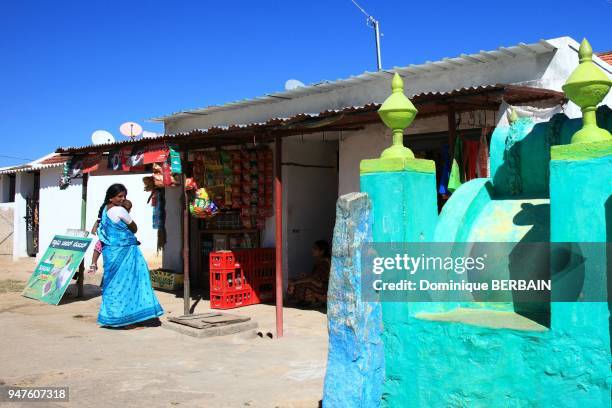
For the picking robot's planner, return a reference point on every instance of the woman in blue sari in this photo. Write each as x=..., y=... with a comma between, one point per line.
x=127, y=294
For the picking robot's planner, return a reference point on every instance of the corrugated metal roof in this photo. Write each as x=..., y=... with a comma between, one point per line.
x=606, y=56
x=45, y=162
x=428, y=103
x=446, y=64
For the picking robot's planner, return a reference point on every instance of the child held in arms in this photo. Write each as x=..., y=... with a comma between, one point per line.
x=93, y=268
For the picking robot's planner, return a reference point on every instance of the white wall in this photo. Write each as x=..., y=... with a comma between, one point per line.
x=58, y=209
x=24, y=187
x=4, y=188
x=356, y=146
x=6, y=229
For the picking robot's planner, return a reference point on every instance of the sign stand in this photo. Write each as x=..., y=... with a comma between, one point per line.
x=81, y=272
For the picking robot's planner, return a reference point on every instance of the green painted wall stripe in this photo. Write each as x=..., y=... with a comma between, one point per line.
x=391, y=164
x=582, y=151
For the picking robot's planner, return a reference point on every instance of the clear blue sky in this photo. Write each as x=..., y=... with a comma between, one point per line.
x=68, y=68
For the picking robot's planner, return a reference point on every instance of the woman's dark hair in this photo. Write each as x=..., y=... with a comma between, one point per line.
x=323, y=246
x=112, y=191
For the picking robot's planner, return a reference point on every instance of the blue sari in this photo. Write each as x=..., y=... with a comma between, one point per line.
x=127, y=294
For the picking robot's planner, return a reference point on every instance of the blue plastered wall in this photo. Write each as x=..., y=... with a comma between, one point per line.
x=355, y=363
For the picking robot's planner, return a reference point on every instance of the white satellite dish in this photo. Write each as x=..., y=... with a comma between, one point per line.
x=102, y=137
x=147, y=134
x=130, y=129
x=292, y=84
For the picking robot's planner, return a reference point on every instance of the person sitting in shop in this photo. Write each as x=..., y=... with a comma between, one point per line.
x=311, y=290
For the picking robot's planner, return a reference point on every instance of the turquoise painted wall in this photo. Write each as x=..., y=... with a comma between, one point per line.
x=520, y=153
x=398, y=217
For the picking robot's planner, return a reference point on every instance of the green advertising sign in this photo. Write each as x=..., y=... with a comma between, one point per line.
x=56, y=269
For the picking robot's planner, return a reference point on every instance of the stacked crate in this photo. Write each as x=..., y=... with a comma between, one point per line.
x=241, y=278
x=259, y=267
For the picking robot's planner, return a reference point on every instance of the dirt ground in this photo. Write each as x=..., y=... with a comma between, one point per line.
x=43, y=345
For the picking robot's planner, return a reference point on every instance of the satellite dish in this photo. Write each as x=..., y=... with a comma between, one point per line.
x=292, y=84
x=102, y=137
x=130, y=129
x=147, y=134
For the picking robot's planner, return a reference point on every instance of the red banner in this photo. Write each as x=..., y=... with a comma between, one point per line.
x=156, y=153
x=125, y=154
x=91, y=162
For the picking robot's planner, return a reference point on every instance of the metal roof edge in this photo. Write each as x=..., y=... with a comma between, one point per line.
x=446, y=64
x=33, y=165
x=300, y=118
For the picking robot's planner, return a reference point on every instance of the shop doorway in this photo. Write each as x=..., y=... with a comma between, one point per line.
x=310, y=180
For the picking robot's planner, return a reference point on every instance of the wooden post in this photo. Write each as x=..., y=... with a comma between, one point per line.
x=278, y=213
x=452, y=132
x=81, y=273
x=185, y=205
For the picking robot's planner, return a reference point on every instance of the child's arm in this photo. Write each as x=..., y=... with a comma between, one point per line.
x=94, y=229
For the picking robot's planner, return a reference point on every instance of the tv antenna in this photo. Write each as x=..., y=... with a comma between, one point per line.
x=371, y=21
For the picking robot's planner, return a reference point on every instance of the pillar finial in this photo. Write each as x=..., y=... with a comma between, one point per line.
x=587, y=86
x=512, y=115
x=397, y=113
x=585, y=52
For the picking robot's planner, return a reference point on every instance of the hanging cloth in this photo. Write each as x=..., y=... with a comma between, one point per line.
x=159, y=217
x=470, y=150
x=456, y=176
x=482, y=159
x=446, y=169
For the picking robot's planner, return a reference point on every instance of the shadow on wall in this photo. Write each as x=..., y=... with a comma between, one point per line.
x=526, y=156
x=530, y=260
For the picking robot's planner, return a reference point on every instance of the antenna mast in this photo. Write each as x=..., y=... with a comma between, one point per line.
x=371, y=20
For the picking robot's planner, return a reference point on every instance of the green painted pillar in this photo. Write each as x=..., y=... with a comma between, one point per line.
x=581, y=224
x=404, y=210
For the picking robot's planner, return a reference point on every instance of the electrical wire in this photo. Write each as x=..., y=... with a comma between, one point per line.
x=370, y=19
x=13, y=157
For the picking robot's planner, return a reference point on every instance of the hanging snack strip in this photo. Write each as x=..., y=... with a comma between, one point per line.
x=236, y=186
x=238, y=180
x=214, y=179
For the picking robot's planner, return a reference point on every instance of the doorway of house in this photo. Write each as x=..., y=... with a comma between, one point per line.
x=310, y=183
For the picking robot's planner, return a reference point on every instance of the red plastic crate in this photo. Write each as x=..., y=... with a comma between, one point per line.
x=227, y=279
x=242, y=278
x=230, y=299
x=222, y=260
x=256, y=257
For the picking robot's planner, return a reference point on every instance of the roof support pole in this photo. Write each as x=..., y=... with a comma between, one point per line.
x=186, y=277
x=81, y=272
x=278, y=214
x=452, y=132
